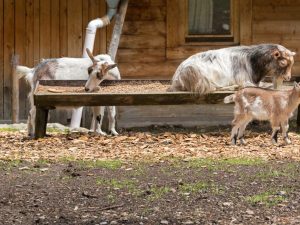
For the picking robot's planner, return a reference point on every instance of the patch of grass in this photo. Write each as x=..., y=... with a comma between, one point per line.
x=116, y=184
x=56, y=130
x=8, y=129
x=158, y=192
x=200, y=186
x=265, y=175
x=107, y=164
x=213, y=164
x=7, y=165
x=268, y=198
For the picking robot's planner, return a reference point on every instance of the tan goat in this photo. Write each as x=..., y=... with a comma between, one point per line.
x=263, y=104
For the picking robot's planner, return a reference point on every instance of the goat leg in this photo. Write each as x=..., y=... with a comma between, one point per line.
x=275, y=135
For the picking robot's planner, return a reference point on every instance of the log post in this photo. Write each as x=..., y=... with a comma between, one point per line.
x=15, y=90
x=41, y=119
x=116, y=35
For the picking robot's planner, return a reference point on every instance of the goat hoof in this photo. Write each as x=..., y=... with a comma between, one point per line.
x=242, y=141
x=233, y=141
x=287, y=141
x=274, y=142
x=114, y=133
x=100, y=132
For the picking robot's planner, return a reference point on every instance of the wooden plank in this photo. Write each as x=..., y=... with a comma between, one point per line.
x=74, y=28
x=274, y=3
x=117, y=31
x=41, y=122
x=142, y=41
x=147, y=3
x=142, y=13
x=96, y=99
x=36, y=33
x=9, y=39
x=63, y=28
x=282, y=27
x=286, y=12
x=45, y=29
x=55, y=29
x=175, y=24
x=19, y=96
x=164, y=69
x=156, y=28
x=15, y=91
x=134, y=55
x=1, y=59
x=246, y=22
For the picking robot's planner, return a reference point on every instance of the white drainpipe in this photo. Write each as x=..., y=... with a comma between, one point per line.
x=89, y=43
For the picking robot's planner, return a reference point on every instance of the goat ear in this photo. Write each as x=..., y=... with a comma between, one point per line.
x=108, y=67
x=276, y=54
x=283, y=63
x=91, y=55
x=296, y=85
x=293, y=53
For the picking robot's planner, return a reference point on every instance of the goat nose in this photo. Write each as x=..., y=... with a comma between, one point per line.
x=86, y=89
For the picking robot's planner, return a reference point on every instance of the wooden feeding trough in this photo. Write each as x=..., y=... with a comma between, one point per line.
x=51, y=94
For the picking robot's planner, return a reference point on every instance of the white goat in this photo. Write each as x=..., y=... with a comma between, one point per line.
x=263, y=104
x=61, y=69
x=241, y=66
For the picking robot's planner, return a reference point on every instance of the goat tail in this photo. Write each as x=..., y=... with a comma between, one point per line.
x=229, y=99
x=191, y=78
x=25, y=72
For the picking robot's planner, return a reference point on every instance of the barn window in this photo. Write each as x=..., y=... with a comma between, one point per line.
x=200, y=25
x=209, y=21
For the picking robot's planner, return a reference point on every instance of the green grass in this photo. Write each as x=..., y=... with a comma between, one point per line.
x=268, y=198
x=107, y=164
x=10, y=164
x=200, y=186
x=90, y=164
x=157, y=192
x=56, y=130
x=212, y=164
x=8, y=129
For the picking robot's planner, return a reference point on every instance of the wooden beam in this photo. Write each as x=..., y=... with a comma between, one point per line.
x=246, y=22
x=40, y=122
x=15, y=90
x=116, y=35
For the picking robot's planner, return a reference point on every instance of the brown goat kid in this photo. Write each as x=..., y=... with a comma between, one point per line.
x=263, y=104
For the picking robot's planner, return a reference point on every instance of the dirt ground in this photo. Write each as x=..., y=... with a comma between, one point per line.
x=158, y=175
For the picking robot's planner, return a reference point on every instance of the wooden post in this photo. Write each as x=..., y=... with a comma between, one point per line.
x=41, y=119
x=15, y=90
x=116, y=35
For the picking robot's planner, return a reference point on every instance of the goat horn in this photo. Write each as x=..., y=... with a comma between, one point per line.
x=90, y=55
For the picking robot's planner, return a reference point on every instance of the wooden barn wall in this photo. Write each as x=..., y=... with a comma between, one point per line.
x=36, y=29
x=278, y=21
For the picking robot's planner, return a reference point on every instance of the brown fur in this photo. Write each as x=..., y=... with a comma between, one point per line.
x=263, y=104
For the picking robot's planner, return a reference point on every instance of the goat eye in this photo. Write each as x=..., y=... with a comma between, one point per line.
x=90, y=69
x=98, y=75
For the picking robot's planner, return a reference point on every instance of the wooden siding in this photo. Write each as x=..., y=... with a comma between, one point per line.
x=37, y=29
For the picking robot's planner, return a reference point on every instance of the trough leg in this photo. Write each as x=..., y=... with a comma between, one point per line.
x=40, y=122
x=298, y=117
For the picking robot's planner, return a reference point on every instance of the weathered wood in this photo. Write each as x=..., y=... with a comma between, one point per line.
x=74, y=28
x=298, y=117
x=116, y=35
x=41, y=122
x=246, y=22
x=15, y=90
x=9, y=46
x=45, y=29
x=1, y=58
